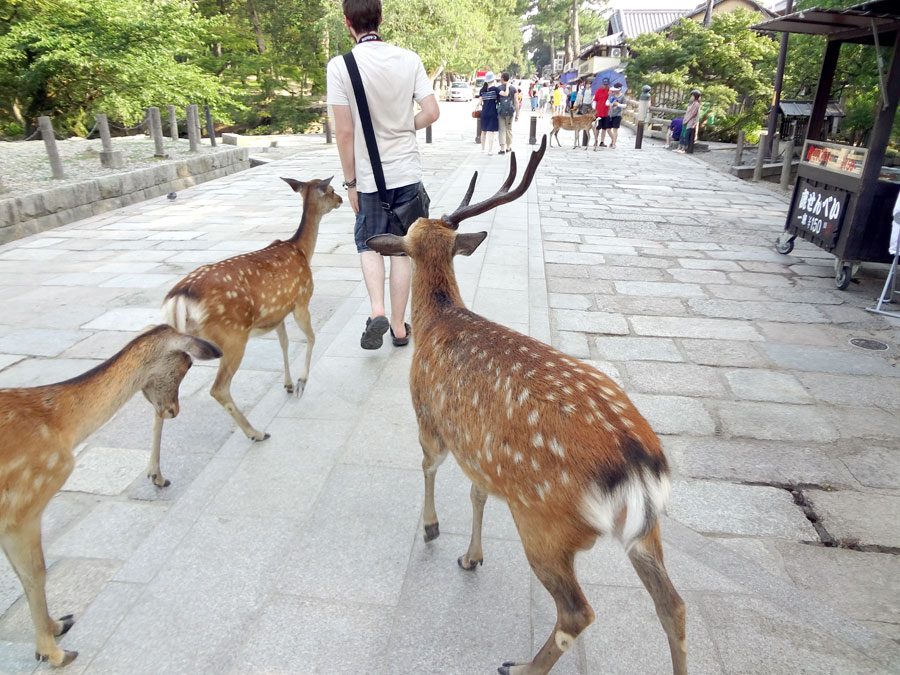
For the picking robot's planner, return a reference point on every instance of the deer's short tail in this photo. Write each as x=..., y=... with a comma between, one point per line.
x=628, y=505
x=184, y=314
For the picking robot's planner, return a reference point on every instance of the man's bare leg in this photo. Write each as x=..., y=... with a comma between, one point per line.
x=373, y=273
x=401, y=275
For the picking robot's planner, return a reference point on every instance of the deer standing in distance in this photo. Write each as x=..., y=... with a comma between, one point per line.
x=250, y=294
x=558, y=440
x=40, y=426
x=571, y=122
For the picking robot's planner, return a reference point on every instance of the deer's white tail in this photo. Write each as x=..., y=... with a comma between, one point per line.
x=184, y=314
x=631, y=508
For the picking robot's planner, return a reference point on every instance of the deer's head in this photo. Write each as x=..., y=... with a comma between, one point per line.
x=167, y=357
x=318, y=192
x=436, y=240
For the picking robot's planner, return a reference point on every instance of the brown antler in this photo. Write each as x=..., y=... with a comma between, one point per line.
x=502, y=196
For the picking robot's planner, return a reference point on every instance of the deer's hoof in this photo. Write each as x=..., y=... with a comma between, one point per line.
x=465, y=563
x=158, y=480
x=259, y=438
x=432, y=531
x=298, y=390
x=289, y=388
x=64, y=658
x=508, y=667
x=65, y=624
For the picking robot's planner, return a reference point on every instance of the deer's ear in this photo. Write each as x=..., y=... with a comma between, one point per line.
x=387, y=244
x=324, y=183
x=202, y=350
x=466, y=244
x=296, y=185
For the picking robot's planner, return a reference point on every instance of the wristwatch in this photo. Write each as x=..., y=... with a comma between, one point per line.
x=347, y=184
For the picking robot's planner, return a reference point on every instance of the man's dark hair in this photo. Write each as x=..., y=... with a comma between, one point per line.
x=504, y=76
x=364, y=15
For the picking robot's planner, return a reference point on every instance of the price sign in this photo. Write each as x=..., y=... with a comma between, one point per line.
x=818, y=211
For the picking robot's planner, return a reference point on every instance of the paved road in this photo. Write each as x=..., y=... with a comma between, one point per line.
x=304, y=553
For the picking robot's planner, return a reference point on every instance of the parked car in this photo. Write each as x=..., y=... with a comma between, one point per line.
x=460, y=91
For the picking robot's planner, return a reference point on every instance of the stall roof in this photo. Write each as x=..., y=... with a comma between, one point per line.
x=854, y=24
x=804, y=109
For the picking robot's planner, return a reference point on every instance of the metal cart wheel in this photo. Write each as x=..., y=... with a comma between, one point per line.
x=784, y=245
x=843, y=277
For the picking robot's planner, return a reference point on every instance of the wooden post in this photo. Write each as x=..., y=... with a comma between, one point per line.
x=760, y=156
x=173, y=123
x=198, y=130
x=327, y=127
x=109, y=158
x=786, y=167
x=478, y=130
x=210, y=129
x=739, y=149
x=155, y=123
x=46, y=127
x=192, y=128
x=532, y=131
x=428, y=134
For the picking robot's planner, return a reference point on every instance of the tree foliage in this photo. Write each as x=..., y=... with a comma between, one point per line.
x=550, y=22
x=71, y=59
x=732, y=65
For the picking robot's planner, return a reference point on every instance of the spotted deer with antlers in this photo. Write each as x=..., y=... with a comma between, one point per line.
x=40, y=426
x=251, y=294
x=558, y=440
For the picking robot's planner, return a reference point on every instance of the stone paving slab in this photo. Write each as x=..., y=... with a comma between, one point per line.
x=304, y=553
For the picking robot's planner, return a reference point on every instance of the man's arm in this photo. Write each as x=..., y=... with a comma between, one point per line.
x=427, y=115
x=343, y=131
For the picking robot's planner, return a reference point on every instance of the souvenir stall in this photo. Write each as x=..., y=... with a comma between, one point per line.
x=844, y=197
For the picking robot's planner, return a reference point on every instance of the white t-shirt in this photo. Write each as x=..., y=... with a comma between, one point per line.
x=392, y=78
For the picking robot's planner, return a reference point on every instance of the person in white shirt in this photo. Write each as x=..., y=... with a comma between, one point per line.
x=392, y=79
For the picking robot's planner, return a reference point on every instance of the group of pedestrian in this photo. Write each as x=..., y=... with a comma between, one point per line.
x=500, y=103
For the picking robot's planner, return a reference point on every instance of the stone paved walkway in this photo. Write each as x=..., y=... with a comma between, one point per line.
x=304, y=553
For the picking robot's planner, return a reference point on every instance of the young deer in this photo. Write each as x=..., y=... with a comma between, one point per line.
x=250, y=294
x=576, y=123
x=40, y=426
x=554, y=437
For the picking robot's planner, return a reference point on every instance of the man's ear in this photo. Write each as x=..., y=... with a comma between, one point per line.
x=387, y=244
x=296, y=185
x=465, y=244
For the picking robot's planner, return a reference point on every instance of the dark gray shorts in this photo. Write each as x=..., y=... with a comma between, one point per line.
x=372, y=219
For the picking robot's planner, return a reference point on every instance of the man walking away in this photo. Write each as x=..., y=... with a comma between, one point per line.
x=507, y=110
x=392, y=78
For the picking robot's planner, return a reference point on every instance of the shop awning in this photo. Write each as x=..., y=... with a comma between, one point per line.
x=855, y=24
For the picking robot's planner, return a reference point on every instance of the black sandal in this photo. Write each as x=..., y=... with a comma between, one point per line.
x=373, y=335
x=401, y=342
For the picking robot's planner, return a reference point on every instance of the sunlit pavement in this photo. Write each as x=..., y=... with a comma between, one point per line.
x=305, y=553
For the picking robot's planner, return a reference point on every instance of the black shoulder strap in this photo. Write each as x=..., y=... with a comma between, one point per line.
x=365, y=118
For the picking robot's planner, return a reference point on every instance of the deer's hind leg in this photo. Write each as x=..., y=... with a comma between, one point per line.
x=434, y=453
x=475, y=555
x=283, y=342
x=647, y=559
x=232, y=347
x=24, y=550
x=554, y=566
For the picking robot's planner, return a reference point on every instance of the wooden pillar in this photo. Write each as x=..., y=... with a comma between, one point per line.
x=192, y=128
x=815, y=130
x=109, y=158
x=739, y=149
x=787, y=165
x=173, y=123
x=156, y=132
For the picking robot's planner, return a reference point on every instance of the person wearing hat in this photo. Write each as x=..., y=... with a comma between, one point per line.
x=490, y=121
x=616, y=103
x=691, y=122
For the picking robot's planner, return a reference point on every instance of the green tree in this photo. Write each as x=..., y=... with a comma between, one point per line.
x=71, y=59
x=732, y=65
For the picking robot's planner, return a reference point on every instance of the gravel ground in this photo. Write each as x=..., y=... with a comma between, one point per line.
x=24, y=166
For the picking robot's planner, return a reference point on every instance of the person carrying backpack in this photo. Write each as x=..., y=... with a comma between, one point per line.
x=507, y=110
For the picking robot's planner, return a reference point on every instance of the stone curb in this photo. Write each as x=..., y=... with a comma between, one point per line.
x=45, y=210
